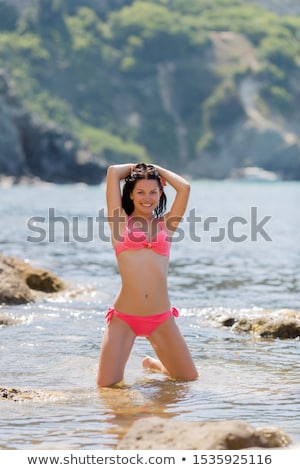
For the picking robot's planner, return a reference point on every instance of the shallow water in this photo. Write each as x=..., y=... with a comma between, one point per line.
x=54, y=348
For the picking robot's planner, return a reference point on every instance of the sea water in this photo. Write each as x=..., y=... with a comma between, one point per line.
x=237, y=253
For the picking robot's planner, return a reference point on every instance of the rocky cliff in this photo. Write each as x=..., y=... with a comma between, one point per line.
x=30, y=148
x=252, y=139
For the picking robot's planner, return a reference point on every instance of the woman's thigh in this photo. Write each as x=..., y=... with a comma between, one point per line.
x=172, y=350
x=115, y=349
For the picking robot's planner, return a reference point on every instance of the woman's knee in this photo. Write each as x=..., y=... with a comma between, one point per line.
x=102, y=382
x=176, y=358
x=192, y=375
x=115, y=350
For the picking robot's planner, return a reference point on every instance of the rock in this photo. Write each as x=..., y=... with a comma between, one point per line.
x=13, y=288
x=159, y=433
x=281, y=324
x=250, y=139
x=275, y=437
x=31, y=148
x=8, y=320
x=10, y=393
x=282, y=329
x=14, y=394
x=20, y=282
x=35, y=278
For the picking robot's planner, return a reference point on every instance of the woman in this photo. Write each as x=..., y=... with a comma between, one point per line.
x=141, y=238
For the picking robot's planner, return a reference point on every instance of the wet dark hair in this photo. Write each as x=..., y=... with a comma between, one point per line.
x=142, y=171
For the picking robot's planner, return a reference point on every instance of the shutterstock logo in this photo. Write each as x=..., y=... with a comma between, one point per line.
x=237, y=229
x=229, y=229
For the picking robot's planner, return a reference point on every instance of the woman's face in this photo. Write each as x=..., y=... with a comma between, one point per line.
x=145, y=196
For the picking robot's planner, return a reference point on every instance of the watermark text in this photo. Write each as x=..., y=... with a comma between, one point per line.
x=237, y=229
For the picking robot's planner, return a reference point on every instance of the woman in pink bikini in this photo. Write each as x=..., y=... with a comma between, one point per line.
x=141, y=236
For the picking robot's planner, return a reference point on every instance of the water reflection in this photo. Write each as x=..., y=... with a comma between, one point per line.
x=125, y=404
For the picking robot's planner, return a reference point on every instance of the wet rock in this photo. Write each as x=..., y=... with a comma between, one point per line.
x=283, y=329
x=8, y=393
x=21, y=283
x=8, y=320
x=159, y=433
x=13, y=288
x=281, y=324
x=275, y=436
x=228, y=322
x=35, y=278
x=14, y=394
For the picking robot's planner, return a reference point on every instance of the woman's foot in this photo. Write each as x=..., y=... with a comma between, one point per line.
x=153, y=364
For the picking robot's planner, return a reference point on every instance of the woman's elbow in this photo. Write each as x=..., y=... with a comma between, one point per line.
x=187, y=187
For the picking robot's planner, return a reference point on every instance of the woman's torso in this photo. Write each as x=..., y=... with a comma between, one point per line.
x=143, y=269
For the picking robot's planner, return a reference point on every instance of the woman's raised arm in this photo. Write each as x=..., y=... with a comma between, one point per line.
x=182, y=188
x=115, y=173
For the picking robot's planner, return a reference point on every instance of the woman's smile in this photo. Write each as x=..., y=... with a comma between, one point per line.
x=146, y=194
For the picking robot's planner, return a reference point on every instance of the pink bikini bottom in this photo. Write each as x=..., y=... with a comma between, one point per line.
x=143, y=325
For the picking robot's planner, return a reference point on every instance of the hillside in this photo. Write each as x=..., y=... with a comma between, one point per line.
x=201, y=87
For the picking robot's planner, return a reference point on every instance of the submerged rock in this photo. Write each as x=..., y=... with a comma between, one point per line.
x=21, y=283
x=10, y=393
x=14, y=394
x=160, y=433
x=8, y=320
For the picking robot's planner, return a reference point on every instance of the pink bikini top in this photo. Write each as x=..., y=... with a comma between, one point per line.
x=136, y=239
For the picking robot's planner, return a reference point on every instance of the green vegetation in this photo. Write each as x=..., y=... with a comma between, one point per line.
x=124, y=78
